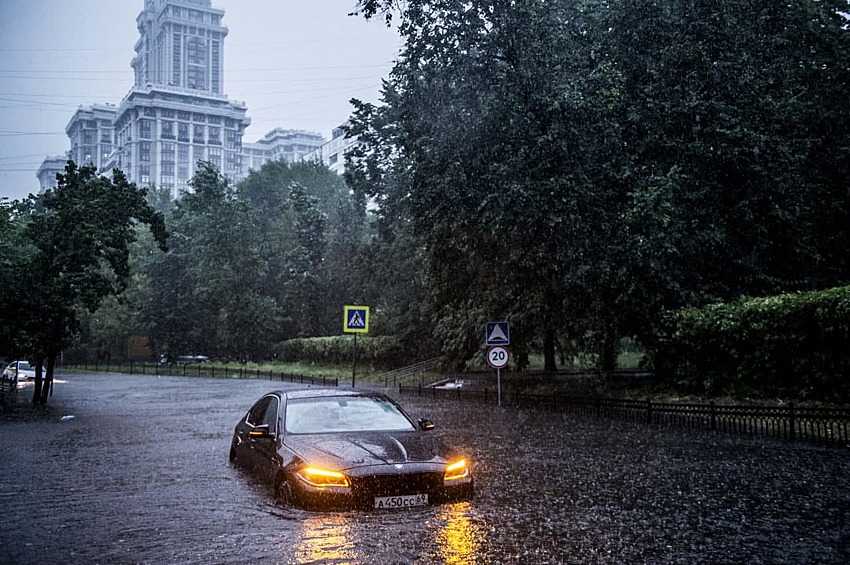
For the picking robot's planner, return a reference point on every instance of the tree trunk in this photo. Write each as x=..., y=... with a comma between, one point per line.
x=608, y=357
x=36, y=390
x=549, y=364
x=38, y=393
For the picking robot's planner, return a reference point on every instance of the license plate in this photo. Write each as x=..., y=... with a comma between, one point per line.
x=404, y=501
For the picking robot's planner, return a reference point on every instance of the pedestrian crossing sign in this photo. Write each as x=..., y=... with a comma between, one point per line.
x=356, y=319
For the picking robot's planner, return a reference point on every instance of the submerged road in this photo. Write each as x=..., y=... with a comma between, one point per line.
x=140, y=475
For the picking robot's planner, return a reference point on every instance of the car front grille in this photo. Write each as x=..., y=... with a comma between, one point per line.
x=397, y=484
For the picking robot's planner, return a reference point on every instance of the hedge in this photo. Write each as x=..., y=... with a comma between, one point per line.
x=379, y=351
x=790, y=345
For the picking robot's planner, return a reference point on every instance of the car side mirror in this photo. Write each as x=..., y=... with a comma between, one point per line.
x=261, y=431
x=426, y=425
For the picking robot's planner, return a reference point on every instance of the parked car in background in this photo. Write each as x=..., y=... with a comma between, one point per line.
x=328, y=447
x=20, y=370
x=184, y=359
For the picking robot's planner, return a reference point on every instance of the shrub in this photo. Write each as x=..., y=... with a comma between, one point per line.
x=379, y=351
x=791, y=345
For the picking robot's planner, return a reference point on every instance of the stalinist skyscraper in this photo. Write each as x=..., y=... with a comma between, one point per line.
x=176, y=112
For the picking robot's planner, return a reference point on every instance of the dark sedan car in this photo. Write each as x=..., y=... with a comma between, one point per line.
x=328, y=447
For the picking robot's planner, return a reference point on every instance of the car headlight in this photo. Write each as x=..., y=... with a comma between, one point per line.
x=456, y=471
x=322, y=478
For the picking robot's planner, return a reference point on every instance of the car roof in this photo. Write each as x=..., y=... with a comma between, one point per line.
x=323, y=392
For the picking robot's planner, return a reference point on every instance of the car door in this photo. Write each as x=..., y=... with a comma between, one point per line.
x=266, y=445
x=258, y=434
x=246, y=452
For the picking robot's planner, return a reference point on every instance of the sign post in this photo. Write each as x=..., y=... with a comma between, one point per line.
x=498, y=357
x=356, y=321
x=496, y=336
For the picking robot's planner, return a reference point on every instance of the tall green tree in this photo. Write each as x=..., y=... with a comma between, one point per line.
x=79, y=233
x=311, y=228
x=578, y=166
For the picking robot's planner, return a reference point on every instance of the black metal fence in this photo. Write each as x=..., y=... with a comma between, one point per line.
x=826, y=426
x=200, y=370
x=8, y=385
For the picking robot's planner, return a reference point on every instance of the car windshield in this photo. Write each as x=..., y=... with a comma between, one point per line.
x=344, y=414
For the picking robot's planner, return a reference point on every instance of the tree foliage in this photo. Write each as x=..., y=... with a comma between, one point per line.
x=269, y=259
x=77, y=253
x=576, y=167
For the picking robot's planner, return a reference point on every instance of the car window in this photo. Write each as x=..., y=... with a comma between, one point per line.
x=344, y=414
x=264, y=412
x=24, y=366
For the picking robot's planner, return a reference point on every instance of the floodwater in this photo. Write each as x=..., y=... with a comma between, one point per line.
x=140, y=475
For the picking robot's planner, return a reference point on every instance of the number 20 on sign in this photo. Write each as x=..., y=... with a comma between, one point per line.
x=498, y=357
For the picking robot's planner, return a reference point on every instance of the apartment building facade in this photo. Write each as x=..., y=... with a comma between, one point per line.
x=176, y=113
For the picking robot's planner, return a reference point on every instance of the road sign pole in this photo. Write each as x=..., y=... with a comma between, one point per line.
x=498, y=357
x=354, y=361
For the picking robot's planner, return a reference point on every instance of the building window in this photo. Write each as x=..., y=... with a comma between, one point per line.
x=215, y=120
x=199, y=153
x=196, y=57
x=144, y=174
x=196, y=16
x=168, y=153
x=182, y=153
x=198, y=134
x=199, y=117
x=168, y=114
x=215, y=70
x=232, y=139
x=145, y=151
x=181, y=115
x=88, y=137
x=145, y=129
x=214, y=135
x=150, y=112
x=167, y=130
x=182, y=131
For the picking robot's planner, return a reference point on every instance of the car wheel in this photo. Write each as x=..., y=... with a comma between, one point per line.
x=232, y=456
x=283, y=490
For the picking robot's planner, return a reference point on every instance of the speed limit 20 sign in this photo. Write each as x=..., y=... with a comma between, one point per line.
x=498, y=356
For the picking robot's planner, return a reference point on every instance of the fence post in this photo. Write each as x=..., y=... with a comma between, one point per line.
x=792, y=421
x=648, y=411
x=712, y=409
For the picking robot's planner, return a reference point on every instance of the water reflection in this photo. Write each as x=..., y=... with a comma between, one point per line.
x=440, y=534
x=458, y=538
x=325, y=539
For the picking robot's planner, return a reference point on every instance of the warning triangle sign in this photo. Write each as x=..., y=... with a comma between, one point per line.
x=498, y=333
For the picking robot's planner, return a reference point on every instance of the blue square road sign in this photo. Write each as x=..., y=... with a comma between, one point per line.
x=497, y=333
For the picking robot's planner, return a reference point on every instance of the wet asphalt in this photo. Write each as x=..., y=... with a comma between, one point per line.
x=140, y=475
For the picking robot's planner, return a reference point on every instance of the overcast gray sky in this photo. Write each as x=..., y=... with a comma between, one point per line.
x=295, y=63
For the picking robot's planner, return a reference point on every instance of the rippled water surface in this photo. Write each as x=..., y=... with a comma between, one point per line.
x=140, y=475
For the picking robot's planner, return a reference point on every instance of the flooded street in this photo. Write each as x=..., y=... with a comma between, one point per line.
x=140, y=475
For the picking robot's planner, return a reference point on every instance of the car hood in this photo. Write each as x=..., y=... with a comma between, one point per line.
x=346, y=451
